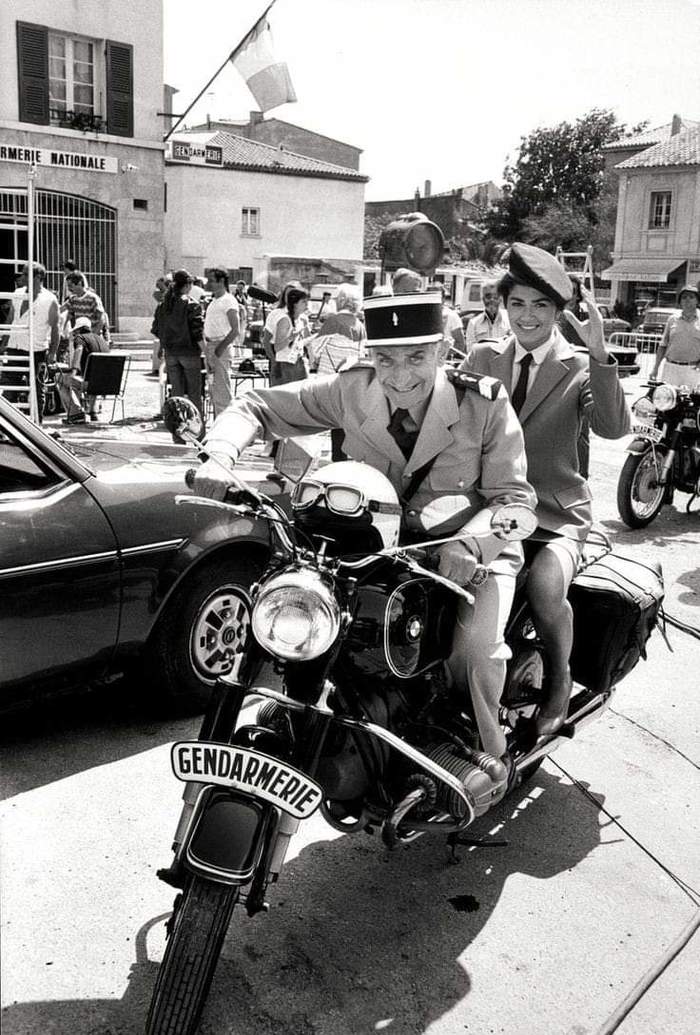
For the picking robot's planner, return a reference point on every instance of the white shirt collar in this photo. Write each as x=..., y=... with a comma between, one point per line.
x=537, y=354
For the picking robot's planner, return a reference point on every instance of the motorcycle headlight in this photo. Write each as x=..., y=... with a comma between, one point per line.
x=296, y=616
x=664, y=397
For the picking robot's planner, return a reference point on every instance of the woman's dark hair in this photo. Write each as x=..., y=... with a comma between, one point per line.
x=69, y=265
x=293, y=296
x=281, y=302
x=181, y=278
x=76, y=277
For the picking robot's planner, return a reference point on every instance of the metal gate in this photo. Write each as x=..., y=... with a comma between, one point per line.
x=66, y=227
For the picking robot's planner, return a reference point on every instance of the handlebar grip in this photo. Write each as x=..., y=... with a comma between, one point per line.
x=241, y=496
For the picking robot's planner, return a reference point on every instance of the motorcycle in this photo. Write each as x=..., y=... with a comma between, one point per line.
x=357, y=721
x=664, y=454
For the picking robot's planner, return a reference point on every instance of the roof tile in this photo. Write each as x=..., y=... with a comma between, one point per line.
x=241, y=153
x=681, y=149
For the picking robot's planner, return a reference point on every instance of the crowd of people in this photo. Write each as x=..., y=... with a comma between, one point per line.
x=65, y=331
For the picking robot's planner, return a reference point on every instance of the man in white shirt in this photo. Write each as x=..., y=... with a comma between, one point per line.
x=493, y=323
x=44, y=334
x=221, y=330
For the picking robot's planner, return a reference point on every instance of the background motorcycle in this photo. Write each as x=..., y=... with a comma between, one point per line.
x=663, y=456
x=358, y=721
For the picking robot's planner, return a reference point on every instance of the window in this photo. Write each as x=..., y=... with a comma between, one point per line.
x=71, y=77
x=19, y=471
x=141, y=203
x=82, y=84
x=250, y=222
x=660, y=210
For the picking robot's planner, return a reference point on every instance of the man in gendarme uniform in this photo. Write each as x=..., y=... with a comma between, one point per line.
x=400, y=411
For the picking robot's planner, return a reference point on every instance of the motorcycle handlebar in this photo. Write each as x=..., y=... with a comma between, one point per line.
x=237, y=497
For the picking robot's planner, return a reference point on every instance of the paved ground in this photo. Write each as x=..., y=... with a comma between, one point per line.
x=549, y=934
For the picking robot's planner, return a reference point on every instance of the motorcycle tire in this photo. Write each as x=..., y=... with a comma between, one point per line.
x=639, y=498
x=197, y=931
x=201, y=629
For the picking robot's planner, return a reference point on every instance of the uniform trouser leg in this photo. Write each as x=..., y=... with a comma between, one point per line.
x=479, y=654
x=220, y=369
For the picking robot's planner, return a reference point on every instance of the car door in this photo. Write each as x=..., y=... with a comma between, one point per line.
x=60, y=591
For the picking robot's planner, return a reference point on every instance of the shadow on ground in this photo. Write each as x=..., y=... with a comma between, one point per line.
x=358, y=939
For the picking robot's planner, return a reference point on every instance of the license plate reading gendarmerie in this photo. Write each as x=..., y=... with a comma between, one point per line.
x=250, y=771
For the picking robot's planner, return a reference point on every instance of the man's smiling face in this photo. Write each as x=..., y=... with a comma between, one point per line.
x=406, y=372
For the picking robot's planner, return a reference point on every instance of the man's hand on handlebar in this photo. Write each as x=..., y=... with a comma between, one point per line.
x=215, y=477
x=457, y=562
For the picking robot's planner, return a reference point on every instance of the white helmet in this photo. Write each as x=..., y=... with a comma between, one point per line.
x=349, y=502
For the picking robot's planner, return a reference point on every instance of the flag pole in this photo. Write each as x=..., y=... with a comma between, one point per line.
x=219, y=71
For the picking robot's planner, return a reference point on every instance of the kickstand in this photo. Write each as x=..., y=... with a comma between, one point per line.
x=453, y=840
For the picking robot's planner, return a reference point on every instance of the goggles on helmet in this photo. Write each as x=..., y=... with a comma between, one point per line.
x=339, y=499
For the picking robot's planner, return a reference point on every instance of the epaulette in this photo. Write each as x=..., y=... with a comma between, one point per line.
x=487, y=386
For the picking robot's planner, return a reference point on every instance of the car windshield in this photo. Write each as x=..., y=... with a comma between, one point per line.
x=27, y=427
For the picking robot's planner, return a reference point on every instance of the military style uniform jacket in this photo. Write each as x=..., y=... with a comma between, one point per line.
x=567, y=389
x=477, y=443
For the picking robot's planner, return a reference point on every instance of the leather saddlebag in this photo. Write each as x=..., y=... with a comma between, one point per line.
x=616, y=603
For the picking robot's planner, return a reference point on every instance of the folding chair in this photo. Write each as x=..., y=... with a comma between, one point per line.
x=105, y=375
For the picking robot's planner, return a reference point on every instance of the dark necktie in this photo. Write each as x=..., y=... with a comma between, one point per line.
x=521, y=387
x=405, y=440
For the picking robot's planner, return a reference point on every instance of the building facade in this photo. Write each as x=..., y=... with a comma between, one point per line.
x=657, y=235
x=81, y=86
x=259, y=211
x=454, y=211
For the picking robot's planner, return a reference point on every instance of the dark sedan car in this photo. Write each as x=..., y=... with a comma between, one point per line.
x=100, y=568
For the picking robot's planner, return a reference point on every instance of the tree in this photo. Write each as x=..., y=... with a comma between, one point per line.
x=478, y=248
x=559, y=224
x=373, y=228
x=561, y=167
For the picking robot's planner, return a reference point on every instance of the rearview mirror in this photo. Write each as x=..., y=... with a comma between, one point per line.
x=514, y=521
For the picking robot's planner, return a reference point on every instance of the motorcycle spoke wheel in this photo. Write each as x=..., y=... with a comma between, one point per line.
x=639, y=495
x=195, y=937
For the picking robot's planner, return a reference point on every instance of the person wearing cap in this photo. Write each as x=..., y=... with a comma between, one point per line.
x=680, y=345
x=554, y=390
x=70, y=377
x=433, y=434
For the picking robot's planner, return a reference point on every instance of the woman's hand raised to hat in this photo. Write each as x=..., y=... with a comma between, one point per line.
x=591, y=330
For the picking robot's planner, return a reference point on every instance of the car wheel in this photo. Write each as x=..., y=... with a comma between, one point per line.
x=202, y=629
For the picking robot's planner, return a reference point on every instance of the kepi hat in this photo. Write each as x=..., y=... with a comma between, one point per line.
x=403, y=319
x=536, y=268
x=689, y=289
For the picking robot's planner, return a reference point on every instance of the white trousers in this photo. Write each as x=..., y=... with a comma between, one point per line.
x=219, y=369
x=479, y=654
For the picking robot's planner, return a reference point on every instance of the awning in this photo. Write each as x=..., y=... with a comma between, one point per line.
x=653, y=271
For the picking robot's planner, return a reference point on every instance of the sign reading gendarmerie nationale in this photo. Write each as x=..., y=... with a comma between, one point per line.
x=73, y=160
x=194, y=154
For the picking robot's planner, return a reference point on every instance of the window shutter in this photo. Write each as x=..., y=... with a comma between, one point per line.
x=120, y=89
x=33, y=72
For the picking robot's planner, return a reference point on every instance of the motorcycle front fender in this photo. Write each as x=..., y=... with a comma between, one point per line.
x=227, y=836
x=642, y=445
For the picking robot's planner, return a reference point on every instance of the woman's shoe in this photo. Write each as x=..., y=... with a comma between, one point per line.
x=553, y=715
x=77, y=418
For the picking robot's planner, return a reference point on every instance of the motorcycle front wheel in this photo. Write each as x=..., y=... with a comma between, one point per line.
x=197, y=930
x=639, y=495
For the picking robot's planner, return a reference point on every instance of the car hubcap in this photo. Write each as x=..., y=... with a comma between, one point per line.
x=219, y=632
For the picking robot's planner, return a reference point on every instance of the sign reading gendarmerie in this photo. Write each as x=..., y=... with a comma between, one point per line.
x=194, y=154
x=58, y=159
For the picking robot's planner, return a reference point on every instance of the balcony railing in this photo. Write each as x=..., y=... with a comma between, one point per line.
x=85, y=121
